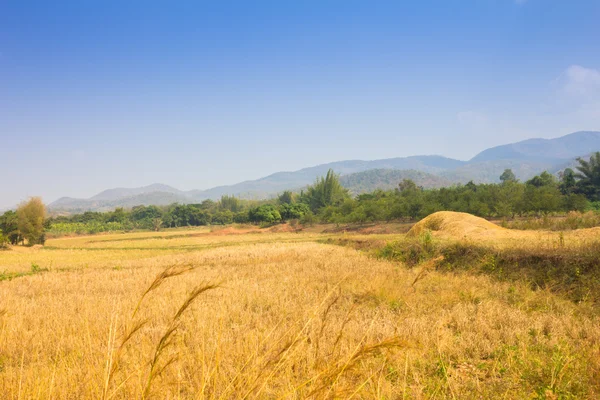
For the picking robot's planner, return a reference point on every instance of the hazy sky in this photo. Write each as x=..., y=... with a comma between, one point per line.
x=100, y=94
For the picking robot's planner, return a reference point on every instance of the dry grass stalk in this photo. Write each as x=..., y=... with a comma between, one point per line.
x=426, y=268
x=167, y=338
x=133, y=326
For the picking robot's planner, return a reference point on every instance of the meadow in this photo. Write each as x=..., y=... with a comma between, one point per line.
x=277, y=313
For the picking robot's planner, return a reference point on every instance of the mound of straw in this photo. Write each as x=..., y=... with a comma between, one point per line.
x=456, y=224
x=463, y=226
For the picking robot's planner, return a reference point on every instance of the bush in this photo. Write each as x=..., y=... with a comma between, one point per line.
x=3, y=241
x=410, y=251
x=265, y=214
x=92, y=227
x=308, y=219
x=571, y=272
x=293, y=211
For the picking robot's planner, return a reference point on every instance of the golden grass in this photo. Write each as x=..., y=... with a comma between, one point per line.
x=130, y=249
x=289, y=319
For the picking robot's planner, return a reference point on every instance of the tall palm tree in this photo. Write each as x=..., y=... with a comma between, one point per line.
x=589, y=176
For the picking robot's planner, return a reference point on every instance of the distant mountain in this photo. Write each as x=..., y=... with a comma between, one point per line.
x=490, y=171
x=572, y=163
x=543, y=150
x=526, y=159
x=119, y=193
x=386, y=179
x=92, y=204
x=281, y=181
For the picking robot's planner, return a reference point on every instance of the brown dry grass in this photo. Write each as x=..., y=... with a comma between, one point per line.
x=290, y=319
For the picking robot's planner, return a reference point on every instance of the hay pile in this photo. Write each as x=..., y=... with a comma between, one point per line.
x=463, y=226
x=456, y=224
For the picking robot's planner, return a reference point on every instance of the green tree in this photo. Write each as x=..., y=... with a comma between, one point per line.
x=241, y=217
x=407, y=185
x=471, y=186
x=568, y=182
x=543, y=179
x=157, y=224
x=287, y=197
x=508, y=176
x=575, y=202
x=293, y=211
x=327, y=191
x=3, y=240
x=230, y=203
x=9, y=225
x=118, y=215
x=140, y=213
x=589, y=177
x=508, y=199
x=208, y=205
x=266, y=213
x=223, y=217
x=542, y=199
x=31, y=216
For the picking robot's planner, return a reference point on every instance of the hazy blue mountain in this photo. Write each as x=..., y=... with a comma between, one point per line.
x=526, y=159
x=146, y=199
x=118, y=193
x=490, y=171
x=544, y=150
x=572, y=163
x=281, y=181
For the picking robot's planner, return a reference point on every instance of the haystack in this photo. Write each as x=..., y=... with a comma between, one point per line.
x=456, y=224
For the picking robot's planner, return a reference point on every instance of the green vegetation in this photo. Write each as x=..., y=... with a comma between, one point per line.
x=570, y=271
x=30, y=221
x=226, y=211
x=572, y=220
x=387, y=179
x=27, y=223
x=589, y=177
x=9, y=226
x=508, y=176
x=3, y=241
x=326, y=192
x=35, y=269
x=328, y=201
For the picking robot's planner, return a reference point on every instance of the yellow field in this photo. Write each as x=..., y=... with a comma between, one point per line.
x=290, y=318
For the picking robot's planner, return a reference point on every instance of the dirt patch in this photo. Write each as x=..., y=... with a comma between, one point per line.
x=230, y=230
x=283, y=228
x=371, y=229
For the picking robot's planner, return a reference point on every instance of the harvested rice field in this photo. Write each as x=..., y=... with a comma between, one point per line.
x=267, y=314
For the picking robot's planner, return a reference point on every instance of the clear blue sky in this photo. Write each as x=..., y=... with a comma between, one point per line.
x=100, y=94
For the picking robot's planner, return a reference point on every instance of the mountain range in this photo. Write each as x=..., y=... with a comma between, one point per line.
x=526, y=158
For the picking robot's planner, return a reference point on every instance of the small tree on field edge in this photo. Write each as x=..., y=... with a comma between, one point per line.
x=31, y=216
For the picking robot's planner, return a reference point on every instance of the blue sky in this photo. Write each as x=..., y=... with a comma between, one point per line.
x=100, y=94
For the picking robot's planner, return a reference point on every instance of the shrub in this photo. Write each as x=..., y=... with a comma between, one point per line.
x=3, y=242
x=31, y=216
x=571, y=272
x=265, y=214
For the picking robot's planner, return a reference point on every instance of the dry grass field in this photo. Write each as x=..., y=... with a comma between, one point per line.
x=279, y=315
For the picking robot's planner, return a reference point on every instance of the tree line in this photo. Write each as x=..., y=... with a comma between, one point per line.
x=328, y=201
